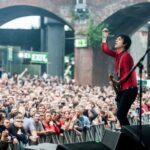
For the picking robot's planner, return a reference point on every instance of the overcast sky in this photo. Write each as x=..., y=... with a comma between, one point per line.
x=23, y=23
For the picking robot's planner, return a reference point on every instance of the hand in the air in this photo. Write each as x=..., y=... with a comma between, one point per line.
x=105, y=33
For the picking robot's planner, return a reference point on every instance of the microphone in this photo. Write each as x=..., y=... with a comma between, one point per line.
x=106, y=30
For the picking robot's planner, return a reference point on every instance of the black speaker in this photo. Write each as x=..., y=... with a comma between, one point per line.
x=141, y=135
x=83, y=146
x=128, y=138
x=111, y=138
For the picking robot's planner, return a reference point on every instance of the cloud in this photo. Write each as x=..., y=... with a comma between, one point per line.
x=23, y=23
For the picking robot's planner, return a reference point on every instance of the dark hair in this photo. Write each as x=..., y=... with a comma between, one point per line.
x=85, y=112
x=18, y=115
x=1, y=116
x=126, y=40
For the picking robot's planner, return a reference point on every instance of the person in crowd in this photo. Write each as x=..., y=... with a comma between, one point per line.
x=17, y=131
x=67, y=119
x=144, y=106
x=17, y=78
x=41, y=108
x=82, y=121
x=2, y=127
x=2, y=110
x=111, y=117
x=4, y=140
x=35, y=121
x=7, y=123
x=55, y=122
x=42, y=117
x=90, y=113
x=46, y=123
x=104, y=118
x=148, y=104
x=58, y=105
x=4, y=133
x=4, y=80
x=30, y=130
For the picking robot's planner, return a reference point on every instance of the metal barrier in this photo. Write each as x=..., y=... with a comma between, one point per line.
x=136, y=121
x=94, y=133
x=146, y=118
x=133, y=121
x=19, y=146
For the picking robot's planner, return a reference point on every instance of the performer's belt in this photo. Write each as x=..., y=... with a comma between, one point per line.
x=131, y=87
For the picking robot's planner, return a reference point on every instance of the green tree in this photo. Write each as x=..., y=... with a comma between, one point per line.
x=94, y=34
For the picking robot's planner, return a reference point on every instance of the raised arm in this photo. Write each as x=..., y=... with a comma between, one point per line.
x=104, y=46
x=23, y=73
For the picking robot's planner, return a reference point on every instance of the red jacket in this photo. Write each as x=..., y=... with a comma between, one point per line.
x=125, y=66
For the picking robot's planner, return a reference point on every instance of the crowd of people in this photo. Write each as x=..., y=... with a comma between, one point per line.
x=34, y=106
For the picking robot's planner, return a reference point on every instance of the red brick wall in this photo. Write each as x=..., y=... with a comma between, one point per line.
x=99, y=9
x=84, y=65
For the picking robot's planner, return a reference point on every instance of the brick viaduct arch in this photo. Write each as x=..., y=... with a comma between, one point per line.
x=99, y=10
x=12, y=12
x=51, y=34
x=128, y=20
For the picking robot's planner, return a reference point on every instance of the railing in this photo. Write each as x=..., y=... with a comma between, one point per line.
x=94, y=133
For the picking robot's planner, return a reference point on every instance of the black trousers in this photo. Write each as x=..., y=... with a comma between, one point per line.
x=124, y=102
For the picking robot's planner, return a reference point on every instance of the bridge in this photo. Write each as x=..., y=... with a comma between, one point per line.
x=123, y=16
x=62, y=9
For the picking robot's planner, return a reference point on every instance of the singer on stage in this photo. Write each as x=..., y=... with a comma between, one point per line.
x=126, y=87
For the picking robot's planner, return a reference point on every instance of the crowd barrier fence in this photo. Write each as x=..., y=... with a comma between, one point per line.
x=94, y=133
